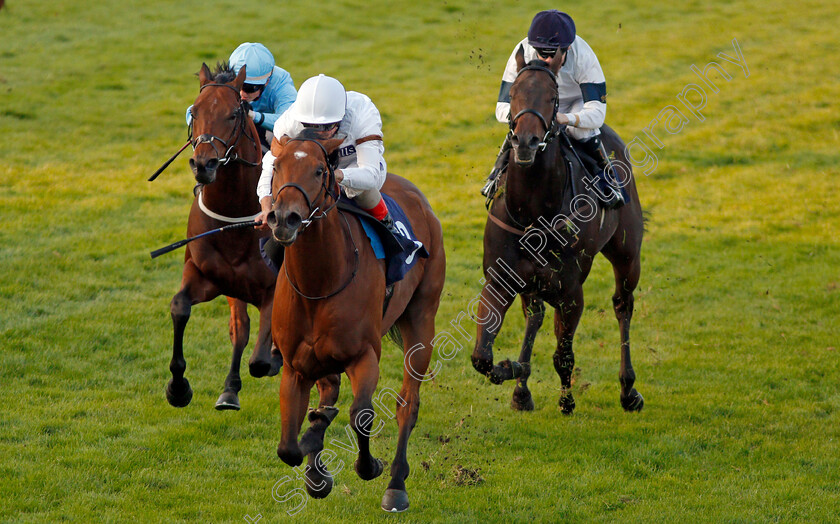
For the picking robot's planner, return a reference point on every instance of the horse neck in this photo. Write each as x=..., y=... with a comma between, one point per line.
x=536, y=190
x=322, y=256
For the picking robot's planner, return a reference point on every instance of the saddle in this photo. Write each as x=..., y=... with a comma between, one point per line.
x=400, y=252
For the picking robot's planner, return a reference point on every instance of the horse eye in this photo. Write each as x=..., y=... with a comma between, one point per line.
x=319, y=172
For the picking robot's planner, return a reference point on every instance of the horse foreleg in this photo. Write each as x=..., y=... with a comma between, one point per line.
x=266, y=360
x=319, y=480
x=417, y=332
x=240, y=330
x=626, y=279
x=193, y=290
x=294, y=399
x=364, y=374
x=493, y=303
x=566, y=317
x=534, y=311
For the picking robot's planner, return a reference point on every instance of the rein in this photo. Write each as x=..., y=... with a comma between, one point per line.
x=208, y=139
x=346, y=283
x=328, y=182
x=552, y=132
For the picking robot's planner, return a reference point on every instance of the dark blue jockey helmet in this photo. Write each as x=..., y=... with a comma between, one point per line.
x=551, y=29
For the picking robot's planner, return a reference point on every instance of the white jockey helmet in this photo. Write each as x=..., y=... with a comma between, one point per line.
x=259, y=60
x=320, y=100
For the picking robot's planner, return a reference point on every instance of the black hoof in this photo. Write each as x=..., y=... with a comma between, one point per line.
x=373, y=471
x=567, y=404
x=634, y=401
x=259, y=368
x=179, y=395
x=228, y=400
x=482, y=365
x=323, y=483
x=395, y=501
x=522, y=400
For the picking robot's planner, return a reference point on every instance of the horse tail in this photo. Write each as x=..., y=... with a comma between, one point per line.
x=395, y=336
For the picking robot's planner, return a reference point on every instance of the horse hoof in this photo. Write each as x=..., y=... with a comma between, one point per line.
x=179, y=395
x=567, y=404
x=259, y=368
x=522, y=400
x=228, y=400
x=376, y=469
x=395, y=501
x=634, y=401
x=316, y=479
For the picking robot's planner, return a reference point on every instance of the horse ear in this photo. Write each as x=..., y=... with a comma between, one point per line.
x=332, y=144
x=240, y=78
x=204, y=74
x=277, y=144
x=520, y=58
x=555, y=66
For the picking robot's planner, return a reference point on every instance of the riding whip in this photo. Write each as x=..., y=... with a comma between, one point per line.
x=172, y=247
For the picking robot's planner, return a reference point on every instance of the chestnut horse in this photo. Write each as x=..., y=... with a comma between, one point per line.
x=542, y=234
x=226, y=165
x=328, y=311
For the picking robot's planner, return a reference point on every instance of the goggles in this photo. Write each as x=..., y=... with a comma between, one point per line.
x=252, y=88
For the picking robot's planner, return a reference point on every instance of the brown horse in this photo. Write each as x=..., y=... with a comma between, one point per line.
x=542, y=234
x=226, y=165
x=328, y=312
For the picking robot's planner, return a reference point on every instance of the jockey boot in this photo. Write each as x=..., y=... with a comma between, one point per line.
x=388, y=221
x=272, y=253
x=499, y=167
x=610, y=192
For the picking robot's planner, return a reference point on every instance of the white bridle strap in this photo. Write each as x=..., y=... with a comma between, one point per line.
x=220, y=217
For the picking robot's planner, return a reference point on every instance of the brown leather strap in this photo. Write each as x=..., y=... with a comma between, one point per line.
x=368, y=139
x=509, y=229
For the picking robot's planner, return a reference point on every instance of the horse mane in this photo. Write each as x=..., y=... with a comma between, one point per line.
x=223, y=74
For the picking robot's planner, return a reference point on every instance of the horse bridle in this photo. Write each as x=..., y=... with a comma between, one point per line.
x=238, y=130
x=550, y=130
x=327, y=183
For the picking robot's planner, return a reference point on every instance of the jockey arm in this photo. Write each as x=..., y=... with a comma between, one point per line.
x=369, y=170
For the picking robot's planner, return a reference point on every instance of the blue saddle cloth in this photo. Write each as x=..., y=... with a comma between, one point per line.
x=400, y=252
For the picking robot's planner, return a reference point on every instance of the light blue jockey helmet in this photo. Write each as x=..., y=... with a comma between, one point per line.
x=257, y=57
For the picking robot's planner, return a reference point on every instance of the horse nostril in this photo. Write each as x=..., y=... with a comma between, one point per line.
x=533, y=143
x=514, y=141
x=293, y=221
x=212, y=164
x=192, y=165
x=271, y=219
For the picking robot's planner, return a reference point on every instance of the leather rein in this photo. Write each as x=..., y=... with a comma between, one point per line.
x=323, y=194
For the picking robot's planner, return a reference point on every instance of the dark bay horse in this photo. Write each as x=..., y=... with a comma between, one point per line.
x=226, y=165
x=542, y=235
x=328, y=312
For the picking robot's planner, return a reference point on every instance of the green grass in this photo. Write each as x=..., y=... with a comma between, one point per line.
x=735, y=335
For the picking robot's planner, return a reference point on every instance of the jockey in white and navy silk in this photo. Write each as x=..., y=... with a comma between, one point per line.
x=324, y=104
x=581, y=86
x=268, y=89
